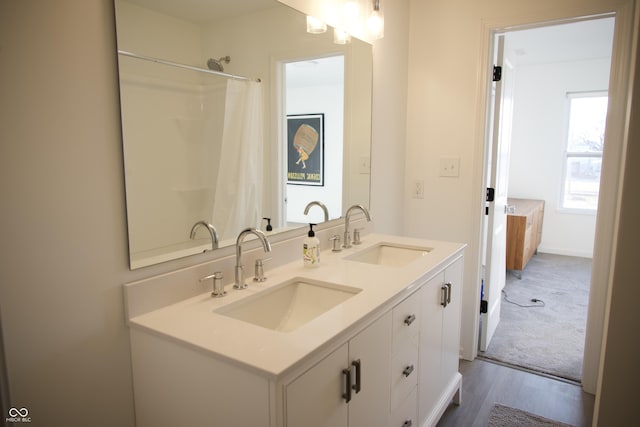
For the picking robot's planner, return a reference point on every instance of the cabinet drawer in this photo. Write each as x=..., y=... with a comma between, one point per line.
x=404, y=372
x=406, y=414
x=406, y=321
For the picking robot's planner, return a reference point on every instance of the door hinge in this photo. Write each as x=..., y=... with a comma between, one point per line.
x=491, y=194
x=484, y=306
x=497, y=73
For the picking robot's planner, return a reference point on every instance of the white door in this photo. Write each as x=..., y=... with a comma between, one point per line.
x=315, y=398
x=496, y=246
x=430, y=351
x=371, y=349
x=451, y=323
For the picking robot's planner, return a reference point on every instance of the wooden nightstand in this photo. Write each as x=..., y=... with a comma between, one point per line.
x=524, y=231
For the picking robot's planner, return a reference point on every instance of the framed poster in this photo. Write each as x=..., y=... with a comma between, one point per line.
x=305, y=149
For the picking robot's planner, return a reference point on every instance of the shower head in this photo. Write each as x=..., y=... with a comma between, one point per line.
x=216, y=64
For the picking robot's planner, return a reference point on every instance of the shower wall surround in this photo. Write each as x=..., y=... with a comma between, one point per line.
x=176, y=184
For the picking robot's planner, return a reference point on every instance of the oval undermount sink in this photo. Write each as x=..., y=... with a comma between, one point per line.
x=287, y=306
x=389, y=254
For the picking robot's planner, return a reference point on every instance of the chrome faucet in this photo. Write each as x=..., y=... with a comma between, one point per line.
x=347, y=237
x=317, y=203
x=210, y=228
x=240, y=284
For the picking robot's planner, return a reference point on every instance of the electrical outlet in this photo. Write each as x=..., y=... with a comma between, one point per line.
x=417, y=191
x=449, y=166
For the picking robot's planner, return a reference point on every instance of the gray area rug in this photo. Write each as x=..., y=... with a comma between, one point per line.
x=505, y=416
x=549, y=338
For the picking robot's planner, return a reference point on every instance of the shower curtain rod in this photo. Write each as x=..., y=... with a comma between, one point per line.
x=187, y=67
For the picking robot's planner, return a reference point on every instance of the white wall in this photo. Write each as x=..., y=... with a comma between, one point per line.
x=538, y=143
x=389, y=115
x=63, y=224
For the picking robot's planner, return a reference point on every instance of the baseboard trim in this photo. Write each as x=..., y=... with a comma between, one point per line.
x=555, y=251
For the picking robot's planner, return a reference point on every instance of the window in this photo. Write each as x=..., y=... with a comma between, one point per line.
x=583, y=155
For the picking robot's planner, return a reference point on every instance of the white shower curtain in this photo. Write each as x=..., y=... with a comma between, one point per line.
x=238, y=197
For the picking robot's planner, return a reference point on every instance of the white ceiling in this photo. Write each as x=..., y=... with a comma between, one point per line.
x=567, y=42
x=316, y=72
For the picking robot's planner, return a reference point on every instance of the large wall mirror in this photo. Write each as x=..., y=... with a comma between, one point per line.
x=231, y=113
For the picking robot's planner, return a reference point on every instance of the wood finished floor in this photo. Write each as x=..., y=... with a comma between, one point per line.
x=485, y=383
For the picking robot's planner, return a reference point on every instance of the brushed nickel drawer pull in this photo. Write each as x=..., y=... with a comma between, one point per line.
x=409, y=320
x=408, y=370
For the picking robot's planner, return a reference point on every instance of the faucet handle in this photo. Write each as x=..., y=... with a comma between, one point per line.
x=259, y=270
x=335, y=239
x=218, y=284
x=356, y=236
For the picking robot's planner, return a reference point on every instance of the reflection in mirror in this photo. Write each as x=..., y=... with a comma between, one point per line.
x=314, y=96
x=209, y=141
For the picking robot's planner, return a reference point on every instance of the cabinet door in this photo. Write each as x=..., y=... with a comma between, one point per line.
x=430, y=346
x=372, y=347
x=315, y=398
x=451, y=323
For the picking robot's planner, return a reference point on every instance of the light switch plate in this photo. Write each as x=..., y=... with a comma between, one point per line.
x=450, y=166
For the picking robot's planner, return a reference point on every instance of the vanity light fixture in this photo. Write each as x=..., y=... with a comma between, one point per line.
x=376, y=21
x=315, y=25
x=349, y=17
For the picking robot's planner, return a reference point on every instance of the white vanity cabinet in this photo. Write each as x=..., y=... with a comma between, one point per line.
x=440, y=343
x=385, y=357
x=350, y=387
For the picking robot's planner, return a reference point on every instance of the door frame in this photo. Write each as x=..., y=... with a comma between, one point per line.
x=611, y=177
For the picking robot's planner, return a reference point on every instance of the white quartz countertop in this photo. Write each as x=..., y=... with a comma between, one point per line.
x=194, y=323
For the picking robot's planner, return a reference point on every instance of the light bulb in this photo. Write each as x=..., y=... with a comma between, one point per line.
x=341, y=36
x=315, y=26
x=376, y=25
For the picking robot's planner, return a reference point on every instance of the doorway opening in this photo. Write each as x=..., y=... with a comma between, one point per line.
x=551, y=161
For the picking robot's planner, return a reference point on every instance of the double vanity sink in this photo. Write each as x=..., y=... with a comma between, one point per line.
x=273, y=325
x=258, y=356
x=286, y=306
